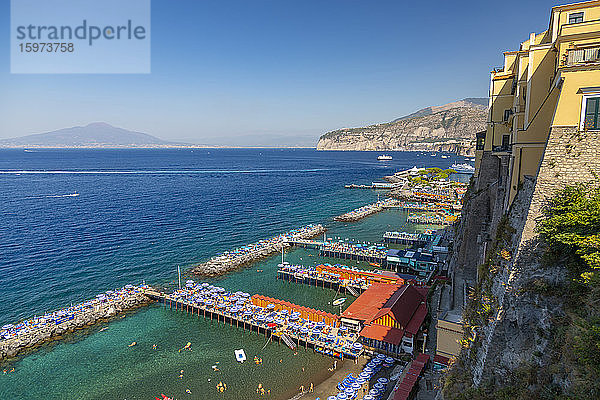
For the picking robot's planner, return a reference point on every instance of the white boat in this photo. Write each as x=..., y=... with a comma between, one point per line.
x=384, y=157
x=339, y=302
x=444, y=156
x=463, y=168
x=240, y=356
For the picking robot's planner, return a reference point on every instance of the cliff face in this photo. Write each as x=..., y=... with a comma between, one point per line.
x=520, y=311
x=450, y=128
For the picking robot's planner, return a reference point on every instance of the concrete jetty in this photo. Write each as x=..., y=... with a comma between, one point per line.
x=35, y=331
x=233, y=259
x=365, y=211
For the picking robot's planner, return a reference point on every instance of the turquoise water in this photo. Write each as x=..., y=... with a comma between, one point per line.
x=139, y=214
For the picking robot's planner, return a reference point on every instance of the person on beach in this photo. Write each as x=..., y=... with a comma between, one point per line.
x=311, y=389
x=301, y=388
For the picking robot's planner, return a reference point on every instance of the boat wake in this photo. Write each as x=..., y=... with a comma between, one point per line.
x=53, y=196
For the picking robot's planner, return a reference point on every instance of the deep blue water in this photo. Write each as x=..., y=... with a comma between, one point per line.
x=139, y=214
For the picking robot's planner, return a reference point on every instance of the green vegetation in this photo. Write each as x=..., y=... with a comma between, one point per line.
x=431, y=174
x=571, y=232
x=569, y=236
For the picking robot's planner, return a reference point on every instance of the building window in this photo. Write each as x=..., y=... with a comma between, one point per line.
x=591, y=120
x=507, y=114
x=576, y=18
x=505, y=142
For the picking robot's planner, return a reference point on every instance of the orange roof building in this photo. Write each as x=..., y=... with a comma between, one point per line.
x=389, y=317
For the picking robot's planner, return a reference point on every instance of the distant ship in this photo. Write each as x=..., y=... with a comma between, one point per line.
x=463, y=168
x=384, y=157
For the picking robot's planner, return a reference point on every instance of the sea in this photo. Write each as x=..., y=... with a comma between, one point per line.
x=75, y=223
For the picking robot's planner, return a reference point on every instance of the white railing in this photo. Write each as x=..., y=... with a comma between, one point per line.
x=580, y=56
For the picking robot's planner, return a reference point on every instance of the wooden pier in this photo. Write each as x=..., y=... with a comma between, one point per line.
x=288, y=337
x=321, y=281
x=350, y=280
x=407, y=238
x=327, y=249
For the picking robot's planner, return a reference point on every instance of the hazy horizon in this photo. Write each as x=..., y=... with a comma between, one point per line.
x=227, y=70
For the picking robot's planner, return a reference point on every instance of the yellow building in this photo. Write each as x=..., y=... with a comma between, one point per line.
x=449, y=335
x=552, y=82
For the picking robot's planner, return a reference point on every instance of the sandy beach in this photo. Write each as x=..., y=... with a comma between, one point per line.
x=326, y=381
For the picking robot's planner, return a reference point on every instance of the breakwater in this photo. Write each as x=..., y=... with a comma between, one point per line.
x=15, y=338
x=364, y=211
x=280, y=320
x=243, y=255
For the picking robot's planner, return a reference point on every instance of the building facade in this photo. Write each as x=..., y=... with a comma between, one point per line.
x=543, y=117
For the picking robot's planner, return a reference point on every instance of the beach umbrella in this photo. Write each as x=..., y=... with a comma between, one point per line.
x=341, y=396
x=331, y=398
x=389, y=360
x=383, y=381
x=368, y=397
x=128, y=287
x=374, y=392
x=379, y=387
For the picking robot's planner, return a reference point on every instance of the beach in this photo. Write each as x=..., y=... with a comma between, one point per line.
x=326, y=381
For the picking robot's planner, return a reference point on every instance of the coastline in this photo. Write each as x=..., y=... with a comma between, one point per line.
x=325, y=382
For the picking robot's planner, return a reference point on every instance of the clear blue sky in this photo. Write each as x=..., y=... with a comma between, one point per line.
x=229, y=68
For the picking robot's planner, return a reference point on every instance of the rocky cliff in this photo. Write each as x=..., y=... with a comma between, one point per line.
x=450, y=127
x=527, y=320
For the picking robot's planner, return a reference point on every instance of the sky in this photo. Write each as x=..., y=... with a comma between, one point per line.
x=223, y=69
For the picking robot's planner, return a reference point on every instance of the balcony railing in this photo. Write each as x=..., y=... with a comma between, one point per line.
x=503, y=149
x=583, y=56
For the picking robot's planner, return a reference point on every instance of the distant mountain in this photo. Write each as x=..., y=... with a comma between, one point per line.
x=449, y=127
x=97, y=134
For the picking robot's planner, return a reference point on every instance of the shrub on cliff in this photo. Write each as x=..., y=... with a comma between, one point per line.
x=570, y=229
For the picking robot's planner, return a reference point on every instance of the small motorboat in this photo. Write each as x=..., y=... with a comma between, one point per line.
x=240, y=355
x=384, y=157
x=339, y=301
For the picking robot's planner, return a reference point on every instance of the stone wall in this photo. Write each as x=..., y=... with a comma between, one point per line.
x=570, y=157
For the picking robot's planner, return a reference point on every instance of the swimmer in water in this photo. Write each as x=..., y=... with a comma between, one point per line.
x=132, y=344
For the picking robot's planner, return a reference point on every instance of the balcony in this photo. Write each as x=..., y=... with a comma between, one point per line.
x=570, y=32
x=502, y=149
x=585, y=56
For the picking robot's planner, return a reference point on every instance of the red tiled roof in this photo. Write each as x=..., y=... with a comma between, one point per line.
x=368, y=304
x=417, y=319
x=382, y=333
x=403, y=306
